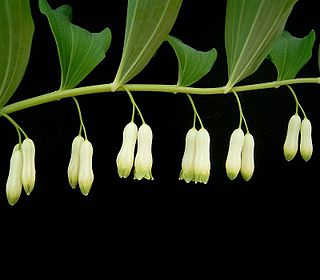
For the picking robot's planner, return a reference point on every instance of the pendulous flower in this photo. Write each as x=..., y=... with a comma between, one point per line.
x=187, y=165
x=85, y=176
x=233, y=162
x=74, y=163
x=14, y=184
x=28, y=165
x=247, y=157
x=125, y=156
x=306, y=147
x=202, y=163
x=290, y=147
x=143, y=160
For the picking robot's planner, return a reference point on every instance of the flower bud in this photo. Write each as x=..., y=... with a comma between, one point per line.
x=74, y=163
x=85, y=176
x=233, y=162
x=14, y=184
x=202, y=163
x=126, y=154
x=143, y=160
x=290, y=146
x=28, y=165
x=306, y=147
x=247, y=157
x=187, y=169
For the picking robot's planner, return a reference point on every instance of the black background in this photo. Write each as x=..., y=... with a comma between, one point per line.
x=280, y=199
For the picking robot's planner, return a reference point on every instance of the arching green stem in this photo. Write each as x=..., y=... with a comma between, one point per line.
x=18, y=128
x=240, y=112
x=195, y=112
x=134, y=105
x=298, y=105
x=107, y=88
x=80, y=118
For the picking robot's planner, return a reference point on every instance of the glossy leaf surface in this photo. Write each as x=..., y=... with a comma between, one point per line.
x=16, y=35
x=80, y=51
x=289, y=54
x=148, y=25
x=193, y=64
x=251, y=28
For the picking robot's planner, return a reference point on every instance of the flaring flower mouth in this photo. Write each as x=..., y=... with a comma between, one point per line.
x=187, y=165
x=74, y=163
x=196, y=163
x=125, y=157
x=143, y=160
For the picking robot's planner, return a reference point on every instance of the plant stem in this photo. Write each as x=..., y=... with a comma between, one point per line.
x=195, y=112
x=18, y=128
x=106, y=88
x=241, y=112
x=80, y=118
x=298, y=105
x=134, y=104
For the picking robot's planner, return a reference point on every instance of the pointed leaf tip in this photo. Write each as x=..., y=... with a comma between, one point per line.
x=193, y=64
x=289, y=54
x=79, y=50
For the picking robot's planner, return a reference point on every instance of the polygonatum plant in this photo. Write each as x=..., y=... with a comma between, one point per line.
x=254, y=31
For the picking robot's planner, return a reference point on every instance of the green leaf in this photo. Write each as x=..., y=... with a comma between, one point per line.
x=79, y=50
x=148, y=25
x=193, y=64
x=251, y=28
x=15, y=45
x=289, y=54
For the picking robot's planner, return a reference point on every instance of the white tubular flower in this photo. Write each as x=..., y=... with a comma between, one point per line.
x=290, y=146
x=306, y=147
x=247, y=157
x=74, y=163
x=14, y=184
x=28, y=165
x=233, y=162
x=202, y=163
x=143, y=160
x=126, y=154
x=187, y=169
x=85, y=176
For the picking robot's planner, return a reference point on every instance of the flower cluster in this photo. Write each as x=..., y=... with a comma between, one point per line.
x=142, y=161
x=22, y=172
x=196, y=164
x=291, y=144
x=80, y=165
x=240, y=157
x=136, y=153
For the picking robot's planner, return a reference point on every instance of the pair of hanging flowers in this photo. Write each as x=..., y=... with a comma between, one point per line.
x=22, y=172
x=240, y=156
x=80, y=170
x=142, y=161
x=295, y=128
x=291, y=145
x=196, y=164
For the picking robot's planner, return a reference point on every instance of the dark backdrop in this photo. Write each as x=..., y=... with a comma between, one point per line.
x=280, y=194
